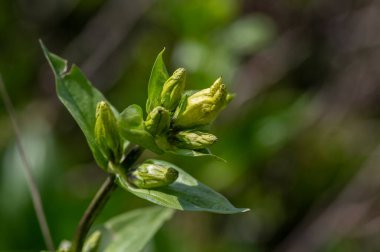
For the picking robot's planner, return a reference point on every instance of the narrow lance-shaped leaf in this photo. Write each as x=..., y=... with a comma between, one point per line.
x=196, y=153
x=164, y=144
x=157, y=79
x=186, y=193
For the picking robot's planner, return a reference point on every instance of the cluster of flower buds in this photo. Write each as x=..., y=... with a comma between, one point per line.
x=150, y=175
x=178, y=117
x=176, y=122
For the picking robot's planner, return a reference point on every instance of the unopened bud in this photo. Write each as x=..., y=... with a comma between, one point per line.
x=173, y=89
x=106, y=131
x=147, y=176
x=202, y=107
x=157, y=121
x=193, y=139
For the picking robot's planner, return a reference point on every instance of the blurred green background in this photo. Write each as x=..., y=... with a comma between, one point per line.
x=301, y=137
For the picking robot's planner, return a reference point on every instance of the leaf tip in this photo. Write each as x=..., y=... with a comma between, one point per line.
x=44, y=49
x=58, y=65
x=41, y=43
x=161, y=54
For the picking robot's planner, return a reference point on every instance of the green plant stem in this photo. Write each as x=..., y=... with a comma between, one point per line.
x=99, y=201
x=32, y=185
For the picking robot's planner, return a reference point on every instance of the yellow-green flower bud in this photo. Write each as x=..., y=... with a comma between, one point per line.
x=157, y=121
x=193, y=139
x=147, y=176
x=172, y=90
x=202, y=107
x=106, y=131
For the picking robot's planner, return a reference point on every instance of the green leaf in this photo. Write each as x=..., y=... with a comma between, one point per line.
x=131, y=125
x=79, y=97
x=131, y=231
x=186, y=193
x=157, y=79
x=163, y=143
x=92, y=242
x=196, y=153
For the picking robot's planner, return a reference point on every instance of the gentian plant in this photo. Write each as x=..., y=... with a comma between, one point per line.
x=177, y=121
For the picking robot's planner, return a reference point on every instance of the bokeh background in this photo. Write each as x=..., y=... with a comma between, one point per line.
x=302, y=137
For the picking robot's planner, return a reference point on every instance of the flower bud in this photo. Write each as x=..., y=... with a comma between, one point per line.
x=157, y=121
x=147, y=176
x=193, y=139
x=106, y=131
x=202, y=107
x=172, y=90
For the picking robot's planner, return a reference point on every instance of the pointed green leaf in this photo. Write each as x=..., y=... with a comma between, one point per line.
x=195, y=153
x=157, y=79
x=131, y=231
x=131, y=125
x=79, y=97
x=164, y=144
x=186, y=193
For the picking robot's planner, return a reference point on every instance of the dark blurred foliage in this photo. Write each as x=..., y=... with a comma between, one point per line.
x=301, y=137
